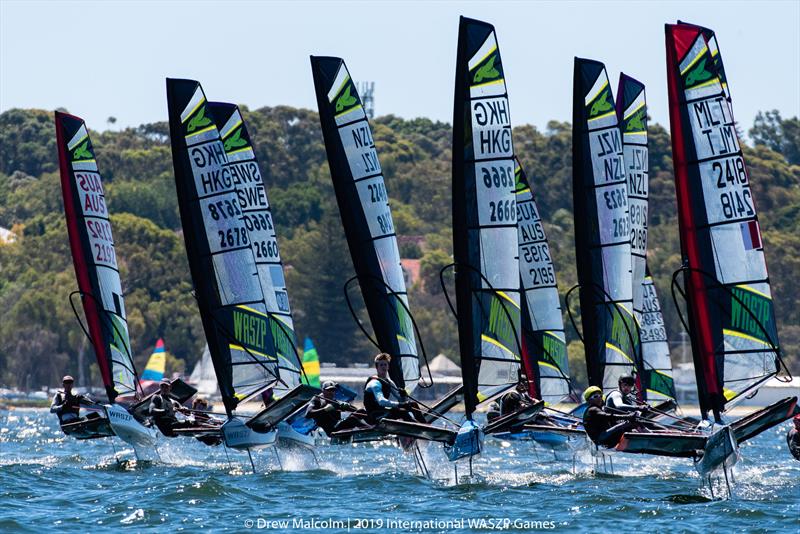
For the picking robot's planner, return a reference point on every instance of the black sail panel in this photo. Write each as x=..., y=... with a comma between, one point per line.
x=94, y=256
x=221, y=261
x=484, y=218
x=602, y=229
x=367, y=219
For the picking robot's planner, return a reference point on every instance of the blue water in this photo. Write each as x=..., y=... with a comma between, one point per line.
x=49, y=482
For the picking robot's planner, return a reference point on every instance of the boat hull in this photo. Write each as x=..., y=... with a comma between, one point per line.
x=144, y=440
x=289, y=438
x=237, y=435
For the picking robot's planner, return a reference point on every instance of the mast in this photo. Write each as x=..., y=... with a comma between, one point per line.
x=221, y=260
x=729, y=301
x=367, y=219
x=602, y=229
x=257, y=217
x=94, y=257
x=544, y=348
x=487, y=277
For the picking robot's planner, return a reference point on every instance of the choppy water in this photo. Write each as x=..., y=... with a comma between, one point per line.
x=50, y=482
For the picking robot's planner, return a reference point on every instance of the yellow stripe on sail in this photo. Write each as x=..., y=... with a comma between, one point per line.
x=493, y=82
x=617, y=349
x=486, y=338
x=640, y=106
x=250, y=351
x=232, y=129
x=550, y=365
x=712, y=81
x=734, y=333
x=508, y=298
x=728, y=394
x=604, y=115
x=590, y=98
x=199, y=103
x=489, y=53
x=354, y=108
x=198, y=132
x=753, y=290
x=237, y=151
x=695, y=60
x=248, y=308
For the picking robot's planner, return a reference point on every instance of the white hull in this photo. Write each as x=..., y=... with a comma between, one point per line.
x=721, y=451
x=128, y=429
x=288, y=437
x=237, y=435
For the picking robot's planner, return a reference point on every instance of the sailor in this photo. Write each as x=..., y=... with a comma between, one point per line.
x=602, y=427
x=163, y=408
x=325, y=410
x=793, y=438
x=493, y=412
x=382, y=398
x=623, y=399
x=66, y=404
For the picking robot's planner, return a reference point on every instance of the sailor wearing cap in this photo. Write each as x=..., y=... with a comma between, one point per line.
x=66, y=404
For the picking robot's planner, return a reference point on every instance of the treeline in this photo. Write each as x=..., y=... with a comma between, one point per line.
x=40, y=338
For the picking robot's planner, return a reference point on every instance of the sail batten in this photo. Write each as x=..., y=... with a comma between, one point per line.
x=363, y=202
x=733, y=329
x=94, y=256
x=487, y=276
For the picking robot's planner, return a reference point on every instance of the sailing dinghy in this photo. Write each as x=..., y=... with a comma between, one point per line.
x=222, y=261
x=487, y=278
x=100, y=289
x=257, y=217
x=731, y=318
x=367, y=220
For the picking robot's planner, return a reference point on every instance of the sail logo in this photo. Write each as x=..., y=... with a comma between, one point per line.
x=346, y=100
x=751, y=314
x=235, y=141
x=487, y=71
x=198, y=120
x=82, y=152
x=601, y=104
x=697, y=74
x=636, y=122
x=555, y=351
x=500, y=323
x=621, y=332
x=250, y=330
x=284, y=344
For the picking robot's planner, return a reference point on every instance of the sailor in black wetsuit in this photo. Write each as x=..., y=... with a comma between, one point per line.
x=382, y=398
x=793, y=438
x=66, y=404
x=602, y=427
x=623, y=398
x=326, y=411
x=163, y=408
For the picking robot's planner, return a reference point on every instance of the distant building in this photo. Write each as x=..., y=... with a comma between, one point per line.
x=7, y=236
x=411, y=269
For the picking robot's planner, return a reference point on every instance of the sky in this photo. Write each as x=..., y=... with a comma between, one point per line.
x=102, y=59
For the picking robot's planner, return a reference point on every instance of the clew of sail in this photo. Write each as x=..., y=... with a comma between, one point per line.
x=224, y=271
x=602, y=229
x=366, y=216
x=94, y=256
x=731, y=315
x=544, y=348
x=257, y=217
x=487, y=277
